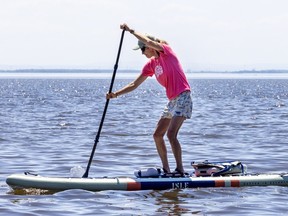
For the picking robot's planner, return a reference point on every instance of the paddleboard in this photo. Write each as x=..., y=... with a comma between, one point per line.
x=17, y=181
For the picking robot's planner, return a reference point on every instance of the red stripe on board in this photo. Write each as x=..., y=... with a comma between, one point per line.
x=133, y=186
x=219, y=183
x=235, y=183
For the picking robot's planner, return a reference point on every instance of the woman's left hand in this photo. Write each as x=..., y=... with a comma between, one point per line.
x=111, y=95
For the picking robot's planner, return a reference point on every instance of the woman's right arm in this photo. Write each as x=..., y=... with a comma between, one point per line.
x=147, y=41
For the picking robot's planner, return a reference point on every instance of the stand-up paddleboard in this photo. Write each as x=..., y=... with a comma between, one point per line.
x=27, y=180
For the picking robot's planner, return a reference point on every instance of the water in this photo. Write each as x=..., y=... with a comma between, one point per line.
x=49, y=125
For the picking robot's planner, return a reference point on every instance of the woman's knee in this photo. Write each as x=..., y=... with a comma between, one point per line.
x=171, y=135
x=157, y=135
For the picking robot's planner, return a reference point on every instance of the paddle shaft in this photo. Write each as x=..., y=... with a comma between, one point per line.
x=105, y=109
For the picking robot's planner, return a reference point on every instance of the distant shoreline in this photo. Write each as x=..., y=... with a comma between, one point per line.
x=136, y=71
x=133, y=75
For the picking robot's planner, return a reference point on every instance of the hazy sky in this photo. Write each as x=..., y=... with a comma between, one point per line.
x=206, y=34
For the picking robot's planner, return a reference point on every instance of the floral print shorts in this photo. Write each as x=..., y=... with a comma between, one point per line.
x=180, y=106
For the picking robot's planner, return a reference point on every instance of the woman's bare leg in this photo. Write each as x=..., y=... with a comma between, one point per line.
x=158, y=136
x=174, y=126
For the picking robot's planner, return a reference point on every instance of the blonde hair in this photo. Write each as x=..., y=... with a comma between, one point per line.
x=155, y=39
x=161, y=41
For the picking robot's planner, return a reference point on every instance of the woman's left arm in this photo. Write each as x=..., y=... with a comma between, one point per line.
x=128, y=88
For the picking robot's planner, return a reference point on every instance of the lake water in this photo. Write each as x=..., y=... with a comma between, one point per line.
x=49, y=126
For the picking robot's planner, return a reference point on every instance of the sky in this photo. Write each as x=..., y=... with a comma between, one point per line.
x=206, y=35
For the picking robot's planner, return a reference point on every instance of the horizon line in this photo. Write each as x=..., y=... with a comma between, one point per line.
x=75, y=70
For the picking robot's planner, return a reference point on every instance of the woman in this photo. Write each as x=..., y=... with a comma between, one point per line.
x=169, y=73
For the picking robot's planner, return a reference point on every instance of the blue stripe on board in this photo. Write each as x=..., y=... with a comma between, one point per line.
x=160, y=185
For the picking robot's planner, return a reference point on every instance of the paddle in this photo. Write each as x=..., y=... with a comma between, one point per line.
x=105, y=109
